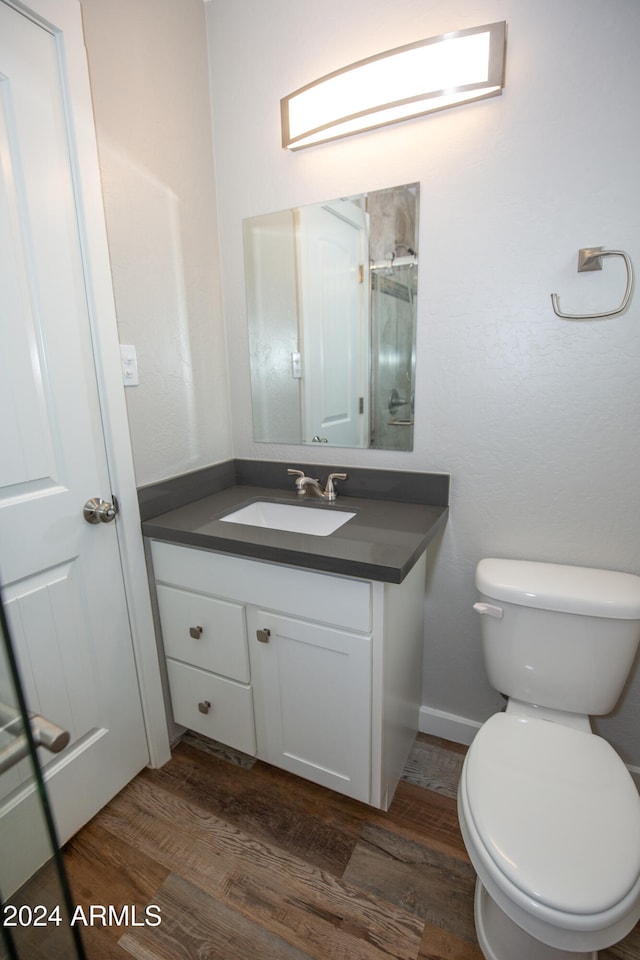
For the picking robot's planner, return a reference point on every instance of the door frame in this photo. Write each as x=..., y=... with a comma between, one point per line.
x=63, y=18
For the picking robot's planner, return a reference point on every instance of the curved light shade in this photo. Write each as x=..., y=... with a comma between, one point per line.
x=396, y=85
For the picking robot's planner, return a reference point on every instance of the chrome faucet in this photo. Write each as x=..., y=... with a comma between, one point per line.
x=304, y=483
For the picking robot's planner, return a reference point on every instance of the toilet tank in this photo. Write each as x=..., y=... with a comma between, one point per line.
x=558, y=636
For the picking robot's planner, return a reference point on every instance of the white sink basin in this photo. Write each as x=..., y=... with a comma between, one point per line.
x=289, y=517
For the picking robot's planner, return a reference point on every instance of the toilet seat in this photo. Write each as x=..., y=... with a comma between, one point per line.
x=580, y=852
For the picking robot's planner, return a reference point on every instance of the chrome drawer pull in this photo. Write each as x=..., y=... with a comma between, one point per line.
x=195, y=632
x=204, y=706
x=263, y=635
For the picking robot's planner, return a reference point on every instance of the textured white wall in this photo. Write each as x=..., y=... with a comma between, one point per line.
x=536, y=418
x=150, y=83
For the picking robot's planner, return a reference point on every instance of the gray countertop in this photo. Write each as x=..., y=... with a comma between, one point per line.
x=382, y=542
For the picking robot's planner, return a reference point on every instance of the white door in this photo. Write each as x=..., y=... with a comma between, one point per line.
x=334, y=306
x=61, y=576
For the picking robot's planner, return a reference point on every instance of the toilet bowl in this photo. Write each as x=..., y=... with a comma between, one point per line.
x=549, y=813
x=551, y=820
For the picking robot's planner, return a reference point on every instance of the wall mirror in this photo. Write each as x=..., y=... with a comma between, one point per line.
x=331, y=302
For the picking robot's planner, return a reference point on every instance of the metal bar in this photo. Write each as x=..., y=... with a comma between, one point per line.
x=393, y=262
x=590, y=258
x=13, y=753
x=45, y=734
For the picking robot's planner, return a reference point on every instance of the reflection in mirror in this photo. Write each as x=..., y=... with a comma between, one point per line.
x=331, y=303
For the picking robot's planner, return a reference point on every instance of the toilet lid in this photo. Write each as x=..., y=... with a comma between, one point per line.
x=557, y=812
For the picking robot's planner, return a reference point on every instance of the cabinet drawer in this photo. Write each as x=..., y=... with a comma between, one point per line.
x=327, y=598
x=230, y=716
x=220, y=640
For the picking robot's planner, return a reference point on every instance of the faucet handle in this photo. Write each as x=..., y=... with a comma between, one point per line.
x=299, y=475
x=330, y=490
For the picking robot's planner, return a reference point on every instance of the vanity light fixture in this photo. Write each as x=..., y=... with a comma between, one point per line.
x=399, y=84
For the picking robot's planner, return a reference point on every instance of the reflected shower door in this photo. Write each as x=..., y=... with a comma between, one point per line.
x=36, y=919
x=393, y=329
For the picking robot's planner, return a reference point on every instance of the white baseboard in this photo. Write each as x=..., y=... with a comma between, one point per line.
x=449, y=726
x=438, y=723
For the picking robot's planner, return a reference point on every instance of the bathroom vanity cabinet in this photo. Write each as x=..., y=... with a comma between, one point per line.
x=312, y=672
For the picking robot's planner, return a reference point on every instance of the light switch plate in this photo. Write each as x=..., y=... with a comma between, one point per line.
x=129, y=361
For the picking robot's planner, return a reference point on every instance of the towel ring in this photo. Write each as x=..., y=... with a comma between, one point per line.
x=590, y=258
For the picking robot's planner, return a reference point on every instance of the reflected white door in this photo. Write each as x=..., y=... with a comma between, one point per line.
x=334, y=306
x=61, y=576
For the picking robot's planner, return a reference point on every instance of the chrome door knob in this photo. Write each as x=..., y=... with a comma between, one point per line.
x=97, y=510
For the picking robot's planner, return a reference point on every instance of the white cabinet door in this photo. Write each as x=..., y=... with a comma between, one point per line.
x=312, y=699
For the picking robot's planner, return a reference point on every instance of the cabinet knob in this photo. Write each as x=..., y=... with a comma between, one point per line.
x=204, y=706
x=263, y=635
x=195, y=632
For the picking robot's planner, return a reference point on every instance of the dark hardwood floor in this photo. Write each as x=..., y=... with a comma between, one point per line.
x=245, y=861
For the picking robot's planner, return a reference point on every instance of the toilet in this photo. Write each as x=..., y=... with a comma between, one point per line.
x=549, y=813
